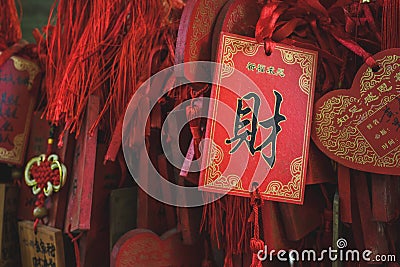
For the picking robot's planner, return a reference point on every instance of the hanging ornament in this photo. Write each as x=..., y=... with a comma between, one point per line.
x=45, y=174
x=256, y=243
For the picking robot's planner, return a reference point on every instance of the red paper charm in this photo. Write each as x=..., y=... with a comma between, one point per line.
x=267, y=140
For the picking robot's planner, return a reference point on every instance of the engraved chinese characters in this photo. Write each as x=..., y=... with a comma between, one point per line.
x=43, y=249
x=17, y=96
x=359, y=127
x=255, y=135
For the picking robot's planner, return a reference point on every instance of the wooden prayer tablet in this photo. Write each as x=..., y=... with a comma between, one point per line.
x=123, y=212
x=45, y=248
x=256, y=137
x=83, y=171
x=9, y=252
x=18, y=90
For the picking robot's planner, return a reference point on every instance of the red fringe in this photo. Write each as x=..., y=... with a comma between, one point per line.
x=226, y=222
x=10, y=27
x=391, y=24
x=103, y=47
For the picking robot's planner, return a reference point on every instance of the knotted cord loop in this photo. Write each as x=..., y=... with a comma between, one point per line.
x=256, y=244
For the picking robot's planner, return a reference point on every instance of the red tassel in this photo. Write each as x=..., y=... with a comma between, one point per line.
x=226, y=222
x=391, y=24
x=228, y=261
x=103, y=47
x=256, y=244
x=74, y=240
x=10, y=28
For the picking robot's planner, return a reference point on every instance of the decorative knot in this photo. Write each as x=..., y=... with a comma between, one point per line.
x=256, y=245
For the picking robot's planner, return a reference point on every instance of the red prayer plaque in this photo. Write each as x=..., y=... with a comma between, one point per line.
x=195, y=33
x=18, y=80
x=259, y=128
x=143, y=248
x=360, y=127
x=80, y=195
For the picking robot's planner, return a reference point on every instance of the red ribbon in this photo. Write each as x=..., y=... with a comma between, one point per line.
x=309, y=24
x=74, y=240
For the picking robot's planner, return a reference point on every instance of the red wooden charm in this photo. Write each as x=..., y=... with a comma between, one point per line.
x=18, y=89
x=195, y=28
x=80, y=199
x=143, y=248
x=360, y=127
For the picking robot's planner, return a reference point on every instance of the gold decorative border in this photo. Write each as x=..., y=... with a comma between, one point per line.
x=237, y=15
x=305, y=60
x=15, y=155
x=22, y=64
x=234, y=45
x=26, y=65
x=292, y=188
x=370, y=79
x=202, y=24
x=229, y=182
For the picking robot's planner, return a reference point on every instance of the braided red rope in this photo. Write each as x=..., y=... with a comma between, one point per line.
x=74, y=240
x=256, y=244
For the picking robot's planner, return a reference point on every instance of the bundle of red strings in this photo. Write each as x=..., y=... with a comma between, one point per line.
x=10, y=28
x=103, y=48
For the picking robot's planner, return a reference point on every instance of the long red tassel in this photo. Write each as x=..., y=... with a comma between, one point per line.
x=103, y=47
x=226, y=222
x=10, y=27
x=391, y=24
x=256, y=243
x=74, y=240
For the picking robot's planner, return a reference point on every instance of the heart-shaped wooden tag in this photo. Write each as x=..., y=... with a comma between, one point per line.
x=360, y=127
x=143, y=248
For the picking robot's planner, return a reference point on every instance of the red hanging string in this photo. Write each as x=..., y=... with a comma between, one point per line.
x=391, y=24
x=74, y=240
x=101, y=47
x=10, y=29
x=256, y=243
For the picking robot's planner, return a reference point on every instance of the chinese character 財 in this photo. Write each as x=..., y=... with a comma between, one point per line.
x=249, y=136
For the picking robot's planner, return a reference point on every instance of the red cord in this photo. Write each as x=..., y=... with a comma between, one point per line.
x=74, y=240
x=256, y=244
